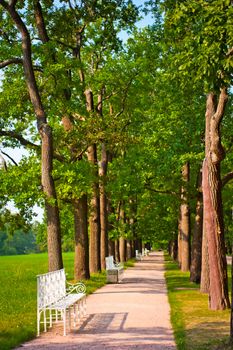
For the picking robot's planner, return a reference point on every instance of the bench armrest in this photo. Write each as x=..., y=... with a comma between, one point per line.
x=75, y=288
x=118, y=264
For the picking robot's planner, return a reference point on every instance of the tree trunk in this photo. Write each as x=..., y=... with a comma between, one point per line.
x=128, y=249
x=195, y=269
x=48, y=186
x=122, y=248
x=212, y=200
x=117, y=253
x=51, y=206
x=218, y=290
x=111, y=248
x=103, y=208
x=174, y=249
x=111, y=244
x=94, y=214
x=185, y=221
x=205, y=271
x=81, y=262
x=179, y=241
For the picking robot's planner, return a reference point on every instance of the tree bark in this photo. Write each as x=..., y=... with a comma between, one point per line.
x=122, y=248
x=103, y=197
x=117, y=253
x=179, y=241
x=51, y=206
x=128, y=249
x=94, y=214
x=185, y=221
x=81, y=262
x=48, y=186
x=195, y=269
x=205, y=271
x=213, y=212
x=218, y=290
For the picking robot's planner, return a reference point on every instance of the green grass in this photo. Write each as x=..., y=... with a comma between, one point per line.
x=18, y=294
x=195, y=326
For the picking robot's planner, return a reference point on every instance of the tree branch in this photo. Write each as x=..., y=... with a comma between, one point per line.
x=221, y=105
x=20, y=138
x=27, y=143
x=43, y=35
x=7, y=155
x=14, y=60
x=162, y=191
x=3, y=163
x=227, y=178
x=230, y=52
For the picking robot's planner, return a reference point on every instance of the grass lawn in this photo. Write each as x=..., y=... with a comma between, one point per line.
x=195, y=326
x=18, y=294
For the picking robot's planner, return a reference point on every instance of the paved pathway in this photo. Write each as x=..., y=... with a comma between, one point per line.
x=132, y=315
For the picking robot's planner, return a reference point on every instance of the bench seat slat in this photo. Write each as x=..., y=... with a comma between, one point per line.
x=66, y=302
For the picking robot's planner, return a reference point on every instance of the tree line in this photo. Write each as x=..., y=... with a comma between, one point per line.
x=132, y=140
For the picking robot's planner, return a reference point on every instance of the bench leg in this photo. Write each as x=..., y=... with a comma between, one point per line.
x=85, y=305
x=74, y=315
x=69, y=314
x=45, y=321
x=64, y=322
x=38, y=323
x=50, y=319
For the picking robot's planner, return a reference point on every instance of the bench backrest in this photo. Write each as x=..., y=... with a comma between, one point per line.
x=51, y=287
x=109, y=263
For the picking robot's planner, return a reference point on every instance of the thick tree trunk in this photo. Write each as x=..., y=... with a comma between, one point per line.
x=128, y=249
x=185, y=221
x=195, y=269
x=205, y=271
x=94, y=222
x=212, y=200
x=174, y=249
x=94, y=213
x=111, y=248
x=51, y=206
x=218, y=291
x=103, y=208
x=81, y=262
x=132, y=248
x=117, y=253
x=122, y=248
x=179, y=241
x=111, y=244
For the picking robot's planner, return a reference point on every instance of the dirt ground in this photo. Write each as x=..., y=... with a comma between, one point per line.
x=131, y=315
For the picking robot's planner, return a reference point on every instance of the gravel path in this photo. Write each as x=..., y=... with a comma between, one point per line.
x=131, y=315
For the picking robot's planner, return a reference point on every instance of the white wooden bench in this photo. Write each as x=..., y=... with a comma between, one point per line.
x=56, y=297
x=114, y=270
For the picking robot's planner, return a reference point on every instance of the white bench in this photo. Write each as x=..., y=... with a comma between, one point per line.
x=138, y=255
x=56, y=298
x=114, y=270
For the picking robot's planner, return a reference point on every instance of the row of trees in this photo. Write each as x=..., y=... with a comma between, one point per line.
x=131, y=135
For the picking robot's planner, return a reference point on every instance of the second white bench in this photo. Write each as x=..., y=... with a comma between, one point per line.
x=114, y=270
